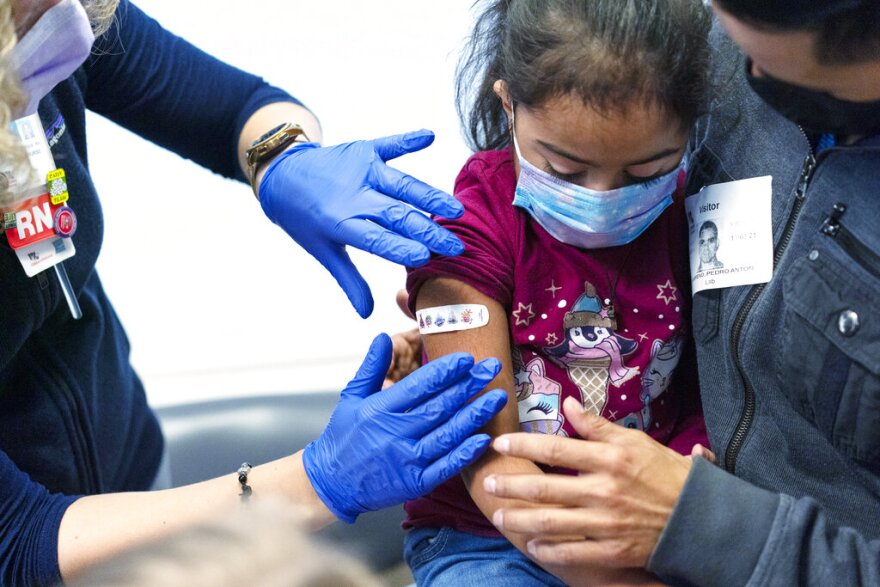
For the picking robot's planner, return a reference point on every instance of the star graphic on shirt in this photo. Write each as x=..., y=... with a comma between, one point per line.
x=520, y=320
x=553, y=288
x=523, y=377
x=643, y=336
x=603, y=313
x=612, y=415
x=551, y=339
x=668, y=292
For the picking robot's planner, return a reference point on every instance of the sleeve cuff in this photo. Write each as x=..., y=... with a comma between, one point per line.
x=717, y=531
x=263, y=96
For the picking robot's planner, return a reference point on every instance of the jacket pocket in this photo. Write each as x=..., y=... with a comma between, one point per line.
x=830, y=355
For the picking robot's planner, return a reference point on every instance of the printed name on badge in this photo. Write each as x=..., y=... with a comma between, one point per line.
x=731, y=234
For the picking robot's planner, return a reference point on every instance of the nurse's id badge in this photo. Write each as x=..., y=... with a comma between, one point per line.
x=731, y=234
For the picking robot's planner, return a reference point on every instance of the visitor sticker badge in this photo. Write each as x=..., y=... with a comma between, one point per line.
x=452, y=318
x=731, y=234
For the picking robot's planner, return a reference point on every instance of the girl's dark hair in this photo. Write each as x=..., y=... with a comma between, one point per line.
x=611, y=53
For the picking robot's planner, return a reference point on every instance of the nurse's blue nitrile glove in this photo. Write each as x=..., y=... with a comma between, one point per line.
x=330, y=197
x=381, y=448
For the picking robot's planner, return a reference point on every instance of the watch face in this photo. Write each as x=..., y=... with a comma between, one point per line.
x=270, y=133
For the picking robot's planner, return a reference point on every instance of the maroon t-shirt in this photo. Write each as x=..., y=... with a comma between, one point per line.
x=606, y=326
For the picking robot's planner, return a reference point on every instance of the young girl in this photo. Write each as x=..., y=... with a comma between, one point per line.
x=575, y=244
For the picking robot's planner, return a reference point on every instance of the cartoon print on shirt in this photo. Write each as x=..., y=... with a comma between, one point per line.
x=665, y=356
x=538, y=397
x=592, y=352
x=523, y=314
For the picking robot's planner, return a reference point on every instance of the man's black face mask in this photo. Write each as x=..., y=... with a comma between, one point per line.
x=816, y=112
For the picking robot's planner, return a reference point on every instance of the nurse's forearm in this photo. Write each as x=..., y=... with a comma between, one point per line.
x=99, y=526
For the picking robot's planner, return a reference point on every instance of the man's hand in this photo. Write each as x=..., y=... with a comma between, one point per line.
x=327, y=198
x=620, y=503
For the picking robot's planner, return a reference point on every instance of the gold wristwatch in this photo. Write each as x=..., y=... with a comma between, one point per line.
x=268, y=146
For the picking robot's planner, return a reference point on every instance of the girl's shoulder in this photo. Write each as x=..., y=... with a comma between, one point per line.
x=488, y=178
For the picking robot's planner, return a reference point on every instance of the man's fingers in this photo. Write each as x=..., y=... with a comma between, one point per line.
x=581, y=455
x=547, y=489
x=581, y=552
x=589, y=426
x=547, y=521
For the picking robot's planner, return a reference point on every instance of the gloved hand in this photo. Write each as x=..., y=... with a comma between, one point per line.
x=327, y=198
x=380, y=449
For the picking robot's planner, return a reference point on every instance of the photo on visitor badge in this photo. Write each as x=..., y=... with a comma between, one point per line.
x=731, y=234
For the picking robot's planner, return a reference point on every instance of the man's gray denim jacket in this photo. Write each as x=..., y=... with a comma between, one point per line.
x=789, y=371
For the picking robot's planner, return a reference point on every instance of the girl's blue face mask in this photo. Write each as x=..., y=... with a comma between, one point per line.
x=590, y=219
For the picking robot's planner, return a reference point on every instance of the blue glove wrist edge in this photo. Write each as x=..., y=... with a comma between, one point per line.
x=317, y=485
x=281, y=157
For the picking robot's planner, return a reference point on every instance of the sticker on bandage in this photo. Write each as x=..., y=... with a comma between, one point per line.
x=452, y=318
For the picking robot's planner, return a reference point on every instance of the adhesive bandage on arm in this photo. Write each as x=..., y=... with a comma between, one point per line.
x=452, y=318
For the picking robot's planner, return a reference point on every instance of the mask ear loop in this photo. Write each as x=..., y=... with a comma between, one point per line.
x=513, y=130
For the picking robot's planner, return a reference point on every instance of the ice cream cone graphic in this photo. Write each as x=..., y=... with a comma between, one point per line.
x=592, y=352
x=591, y=377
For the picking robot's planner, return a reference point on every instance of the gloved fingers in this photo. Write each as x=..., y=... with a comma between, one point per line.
x=467, y=421
x=408, y=222
x=449, y=465
x=435, y=377
x=371, y=373
x=335, y=259
x=401, y=186
x=437, y=410
x=395, y=146
x=371, y=237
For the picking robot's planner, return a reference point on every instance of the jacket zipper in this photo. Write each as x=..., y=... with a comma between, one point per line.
x=748, y=411
x=852, y=245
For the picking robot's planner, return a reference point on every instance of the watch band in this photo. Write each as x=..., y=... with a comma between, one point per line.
x=268, y=146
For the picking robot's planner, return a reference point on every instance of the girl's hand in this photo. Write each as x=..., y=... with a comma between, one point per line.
x=701, y=451
x=406, y=355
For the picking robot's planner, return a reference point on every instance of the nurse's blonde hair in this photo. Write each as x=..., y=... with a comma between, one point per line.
x=12, y=100
x=13, y=159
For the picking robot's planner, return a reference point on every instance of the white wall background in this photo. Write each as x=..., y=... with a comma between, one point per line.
x=216, y=300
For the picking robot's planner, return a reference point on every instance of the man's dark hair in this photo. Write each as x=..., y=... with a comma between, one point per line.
x=709, y=225
x=848, y=31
